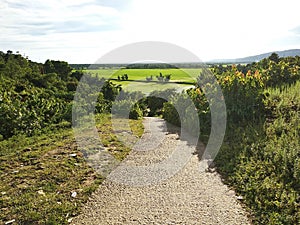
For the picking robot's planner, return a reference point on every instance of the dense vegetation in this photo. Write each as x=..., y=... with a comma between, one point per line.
x=261, y=160
x=260, y=156
x=44, y=177
x=35, y=95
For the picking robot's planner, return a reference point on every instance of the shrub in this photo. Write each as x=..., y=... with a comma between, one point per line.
x=156, y=100
x=170, y=114
x=126, y=109
x=181, y=111
x=135, y=112
x=261, y=160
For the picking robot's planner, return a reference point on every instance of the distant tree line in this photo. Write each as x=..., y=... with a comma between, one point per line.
x=151, y=66
x=138, y=66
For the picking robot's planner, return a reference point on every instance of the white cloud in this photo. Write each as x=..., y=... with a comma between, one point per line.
x=52, y=16
x=83, y=30
x=55, y=26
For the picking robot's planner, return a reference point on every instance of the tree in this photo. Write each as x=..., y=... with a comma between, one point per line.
x=160, y=78
x=110, y=90
x=61, y=68
x=49, y=67
x=77, y=74
x=274, y=57
x=168, y=77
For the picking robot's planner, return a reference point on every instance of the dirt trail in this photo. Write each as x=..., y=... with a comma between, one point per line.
x=148, y=189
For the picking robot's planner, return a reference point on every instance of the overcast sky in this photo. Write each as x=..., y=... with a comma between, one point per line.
x=81, y=31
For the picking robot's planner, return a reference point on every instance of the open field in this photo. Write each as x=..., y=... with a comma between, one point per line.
x=180, y=78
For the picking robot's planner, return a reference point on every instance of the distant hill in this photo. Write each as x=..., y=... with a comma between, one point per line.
x=255, y=58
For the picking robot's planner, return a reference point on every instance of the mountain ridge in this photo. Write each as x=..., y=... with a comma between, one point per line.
x=255, y=58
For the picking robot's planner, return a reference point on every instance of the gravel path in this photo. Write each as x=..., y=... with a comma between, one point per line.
x=153, y=185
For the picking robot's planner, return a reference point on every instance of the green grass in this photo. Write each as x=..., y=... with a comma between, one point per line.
x=38, y=174
x=180, y=78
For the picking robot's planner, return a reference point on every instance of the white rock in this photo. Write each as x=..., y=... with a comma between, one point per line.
x=41, y=192
x=239, y=197
x=11, y=221
x=74, y=194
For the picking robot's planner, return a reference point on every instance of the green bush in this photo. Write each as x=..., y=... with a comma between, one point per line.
x=135, y=112
x=262, y=162
x=181, y=111
x=260, y=154
x=155, y=101
x=127, y=109
x=29, y=111
x=170, y=114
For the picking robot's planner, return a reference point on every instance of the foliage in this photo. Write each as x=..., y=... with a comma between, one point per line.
x=61, y=68
x=163, y=78
x=262, y=161
x=127, y=109
x=180, y=111
x=135, y=112
x=33, y=95
x=170, y=113
x=110, y=90
x=275, y=71
x=243, y=94
x=156, y=99
x=259, y=158
x=260, y=154
x=29, y=111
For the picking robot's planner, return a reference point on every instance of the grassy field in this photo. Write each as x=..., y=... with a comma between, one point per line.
x=41, y=174
x=180, y=78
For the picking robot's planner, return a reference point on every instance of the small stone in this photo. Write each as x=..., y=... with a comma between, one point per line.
x=239, y=197
x=41, y=192
x=231, y=193
x=73, y=194
x=73, y=155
